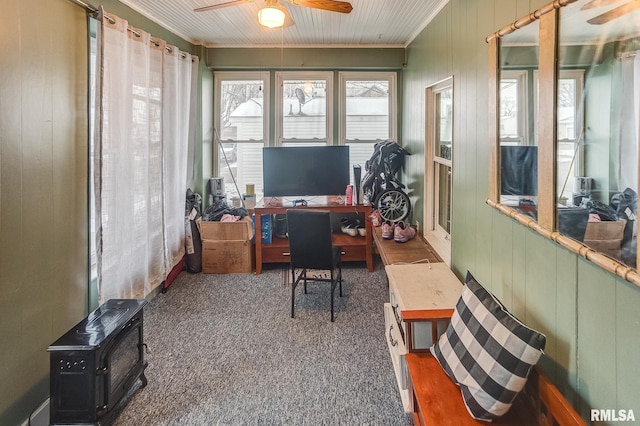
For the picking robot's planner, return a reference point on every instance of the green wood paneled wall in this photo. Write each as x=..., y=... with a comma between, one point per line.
x=44, y=288
x=43, y=187
x=590, y=317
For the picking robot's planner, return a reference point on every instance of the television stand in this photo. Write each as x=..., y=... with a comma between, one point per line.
x=354, y=248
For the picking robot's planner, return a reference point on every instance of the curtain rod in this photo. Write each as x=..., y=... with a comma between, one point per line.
x=84, y=5
x=151, y=39
x=94, y=12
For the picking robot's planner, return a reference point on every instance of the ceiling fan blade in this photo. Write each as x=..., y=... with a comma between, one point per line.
x=330, y=5
x=288, y=20
x=599, y=3
x=615, y=13
x=221, y=5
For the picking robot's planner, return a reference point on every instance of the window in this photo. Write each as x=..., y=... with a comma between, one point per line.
x=367, y=112
x=302, y=114
x=570, y=132
x=438, y=176
x=513, y=108
x=241, y=124
x=304, y=107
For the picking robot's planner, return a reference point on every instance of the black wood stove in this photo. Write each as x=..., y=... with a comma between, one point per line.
x=97, y=362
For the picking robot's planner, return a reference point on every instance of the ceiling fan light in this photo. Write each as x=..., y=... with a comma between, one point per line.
x=271, y=17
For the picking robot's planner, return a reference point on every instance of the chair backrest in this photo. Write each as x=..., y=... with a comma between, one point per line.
x=310, y=238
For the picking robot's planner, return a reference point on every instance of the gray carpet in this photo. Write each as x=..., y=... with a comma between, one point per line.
x=224, y=350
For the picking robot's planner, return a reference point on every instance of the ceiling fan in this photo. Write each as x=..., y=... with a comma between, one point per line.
x=612, y=14
x=273, y=14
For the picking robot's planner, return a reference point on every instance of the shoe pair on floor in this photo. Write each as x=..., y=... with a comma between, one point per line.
x=401, y=232
x=352, y=227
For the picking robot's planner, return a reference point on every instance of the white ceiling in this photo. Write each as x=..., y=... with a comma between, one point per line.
x=372, y=23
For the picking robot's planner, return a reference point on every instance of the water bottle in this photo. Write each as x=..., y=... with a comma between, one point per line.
x=349, y=192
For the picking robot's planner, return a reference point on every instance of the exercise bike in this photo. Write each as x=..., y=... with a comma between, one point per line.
x=380, y=184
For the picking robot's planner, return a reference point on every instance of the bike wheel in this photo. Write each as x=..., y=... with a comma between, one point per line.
x=393, y=205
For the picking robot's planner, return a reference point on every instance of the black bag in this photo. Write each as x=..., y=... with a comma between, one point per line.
x=193, y=243
x=625, y=204
x=605, y=212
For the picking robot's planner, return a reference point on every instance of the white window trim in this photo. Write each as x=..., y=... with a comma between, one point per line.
x=279, y=103
x=435, y=235
x=391, y=77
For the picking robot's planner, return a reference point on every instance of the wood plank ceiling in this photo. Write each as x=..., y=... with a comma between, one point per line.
x=372, y=23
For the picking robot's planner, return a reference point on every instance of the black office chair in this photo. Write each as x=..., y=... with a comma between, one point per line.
x=310, y=247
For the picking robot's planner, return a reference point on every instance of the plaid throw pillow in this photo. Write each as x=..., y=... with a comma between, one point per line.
x=487, y=352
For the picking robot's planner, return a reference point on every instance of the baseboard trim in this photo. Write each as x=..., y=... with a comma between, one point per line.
x=39, y=416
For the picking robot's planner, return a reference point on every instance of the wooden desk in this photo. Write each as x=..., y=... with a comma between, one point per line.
x=353, y=248
x=412, y=251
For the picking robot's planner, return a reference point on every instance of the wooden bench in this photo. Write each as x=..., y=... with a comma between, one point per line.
x=412, y=251
x=436, y=400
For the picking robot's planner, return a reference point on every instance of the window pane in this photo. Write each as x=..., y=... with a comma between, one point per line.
x=444, y=123
x=359, y=153
x=509, y=126
x=244, y=161
x=305, y=109
x=444, y=197
x=566, y=109
x=367, y=110
x=566, y=171
x=241, y=111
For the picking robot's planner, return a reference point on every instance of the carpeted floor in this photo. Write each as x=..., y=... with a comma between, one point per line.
x=225, y=351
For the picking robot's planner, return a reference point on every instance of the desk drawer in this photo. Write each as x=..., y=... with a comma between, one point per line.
x=275, y=254
x=280, y=254
x=396, y=346
x=421, y=333
x=353, y=253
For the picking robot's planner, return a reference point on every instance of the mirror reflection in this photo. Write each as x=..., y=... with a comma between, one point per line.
x=518, y=111
x=598, y=115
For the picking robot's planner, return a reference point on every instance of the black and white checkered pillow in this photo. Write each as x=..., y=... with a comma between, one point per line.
x=487, y=352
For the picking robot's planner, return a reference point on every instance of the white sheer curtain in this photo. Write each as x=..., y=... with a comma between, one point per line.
x=144, y=92
x=180, y=77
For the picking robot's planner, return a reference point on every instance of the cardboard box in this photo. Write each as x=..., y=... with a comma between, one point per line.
x=227, y=247
x=217, y=231
x=605, y=237
x=227, y=257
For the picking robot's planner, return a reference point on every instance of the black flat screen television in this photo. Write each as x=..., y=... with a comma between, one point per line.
x=305, y=170
x=519, y=170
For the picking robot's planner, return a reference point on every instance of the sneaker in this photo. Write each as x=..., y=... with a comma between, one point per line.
x=376, y=219
x=348, y=227
x=360, y=227
x=403, y=232
x=388, y=230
